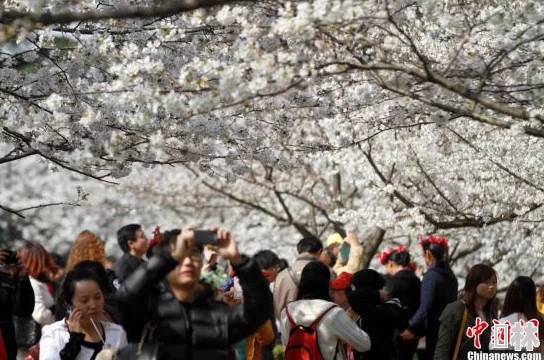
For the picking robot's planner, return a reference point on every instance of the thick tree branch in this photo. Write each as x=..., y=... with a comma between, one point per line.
x=169, y=9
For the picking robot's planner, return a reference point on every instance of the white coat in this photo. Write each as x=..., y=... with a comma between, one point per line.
x=55, y=337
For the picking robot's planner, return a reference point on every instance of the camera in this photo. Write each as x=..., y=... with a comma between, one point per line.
x=11, y=257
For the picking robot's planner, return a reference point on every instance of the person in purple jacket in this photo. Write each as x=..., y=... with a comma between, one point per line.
x=438, y=289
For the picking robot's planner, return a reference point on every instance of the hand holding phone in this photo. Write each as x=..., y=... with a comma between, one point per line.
x=184, y=243
x=344, y=251
x=74, y=321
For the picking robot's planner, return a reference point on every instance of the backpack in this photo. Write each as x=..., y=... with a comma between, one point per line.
x=303, y=341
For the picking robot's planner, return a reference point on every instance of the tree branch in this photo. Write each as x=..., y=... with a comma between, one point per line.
x=169, y=9
x=81, y=196
x=9, y=157
x=432, y=77
x=440, y=192
x=476, y=222
x=10, y=210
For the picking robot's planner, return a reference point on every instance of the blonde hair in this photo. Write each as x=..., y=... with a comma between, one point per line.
x=87, y=246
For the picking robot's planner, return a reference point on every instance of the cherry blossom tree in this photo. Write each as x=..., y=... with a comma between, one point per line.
x=414, y=117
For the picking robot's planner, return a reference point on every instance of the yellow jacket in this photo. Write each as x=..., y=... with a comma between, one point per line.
x=255, y=342
x=540, y=301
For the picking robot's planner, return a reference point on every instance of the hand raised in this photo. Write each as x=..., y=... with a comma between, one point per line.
x=227, y=247
x=184, y=243
x=74, y=321
x=351, y=239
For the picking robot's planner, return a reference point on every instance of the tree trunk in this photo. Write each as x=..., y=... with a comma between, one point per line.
x=371, y=241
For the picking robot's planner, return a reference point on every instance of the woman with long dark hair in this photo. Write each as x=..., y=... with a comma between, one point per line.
x=314, y=303
x=438, y=289
x=404, y=285
x=477, y=306
x=520, y=304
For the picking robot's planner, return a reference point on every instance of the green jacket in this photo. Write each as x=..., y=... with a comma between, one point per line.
x=450, y=321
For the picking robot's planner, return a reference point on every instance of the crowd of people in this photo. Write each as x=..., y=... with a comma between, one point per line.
x=191, y=294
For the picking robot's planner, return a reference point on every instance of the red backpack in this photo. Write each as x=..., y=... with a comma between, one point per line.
x=303, y=342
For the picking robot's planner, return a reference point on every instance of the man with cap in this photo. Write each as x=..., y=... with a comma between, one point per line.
x=329, y=256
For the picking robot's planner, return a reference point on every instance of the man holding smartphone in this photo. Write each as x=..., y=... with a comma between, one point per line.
x=16, y=297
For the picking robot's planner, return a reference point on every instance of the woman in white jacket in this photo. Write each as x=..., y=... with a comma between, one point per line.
x=41, y=268
x=84, y=333
x=314, y=301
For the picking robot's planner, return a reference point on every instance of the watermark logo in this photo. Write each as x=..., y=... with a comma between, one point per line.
x=477, y=355
x=521, y=336
x=476, y=331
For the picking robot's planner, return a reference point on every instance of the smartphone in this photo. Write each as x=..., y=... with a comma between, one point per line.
x=205, y=237
x=344, y=251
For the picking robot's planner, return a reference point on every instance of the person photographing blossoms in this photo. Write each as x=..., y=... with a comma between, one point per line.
x=163, y=293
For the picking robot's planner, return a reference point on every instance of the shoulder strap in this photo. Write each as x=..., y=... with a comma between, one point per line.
x=316, y=321
x=460, y=333
x=291, y=321
x=293, y=276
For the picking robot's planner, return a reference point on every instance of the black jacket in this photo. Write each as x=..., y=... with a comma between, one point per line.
x=197, y=330
x=126, y=265
x=438, y=289
x=406, y=287
x=16, y=298
x=380, y=320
